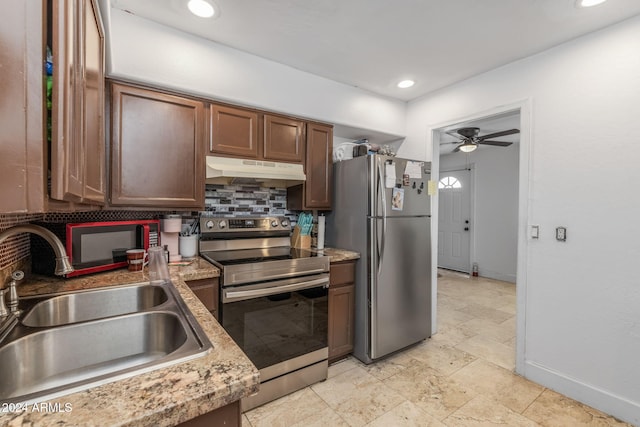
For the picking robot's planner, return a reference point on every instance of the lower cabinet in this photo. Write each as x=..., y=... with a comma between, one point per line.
x=225, y=416
x=341, y=309
x=207, y=292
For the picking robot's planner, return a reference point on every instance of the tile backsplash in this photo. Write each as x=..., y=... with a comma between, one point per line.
x=242, y=200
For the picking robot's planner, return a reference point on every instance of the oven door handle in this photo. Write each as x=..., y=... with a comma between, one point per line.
x=231, y=296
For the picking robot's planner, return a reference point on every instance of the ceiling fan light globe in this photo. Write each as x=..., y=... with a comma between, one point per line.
x=467, y=148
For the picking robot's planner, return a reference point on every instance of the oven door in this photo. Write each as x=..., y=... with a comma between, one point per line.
x=275, y=322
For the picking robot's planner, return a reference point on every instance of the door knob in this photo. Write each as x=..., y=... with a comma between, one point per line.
x=466, y=229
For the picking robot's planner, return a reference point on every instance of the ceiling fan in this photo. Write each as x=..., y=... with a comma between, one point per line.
x=469, y=139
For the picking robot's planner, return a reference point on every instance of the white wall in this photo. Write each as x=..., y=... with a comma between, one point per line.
x=144, y=51
x=582, y=297
x=495, y=208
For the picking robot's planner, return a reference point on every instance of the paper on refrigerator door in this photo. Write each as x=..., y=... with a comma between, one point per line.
x=414, y=169
x=390, y=175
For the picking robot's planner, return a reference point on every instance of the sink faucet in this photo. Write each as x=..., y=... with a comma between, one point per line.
x=63, y=266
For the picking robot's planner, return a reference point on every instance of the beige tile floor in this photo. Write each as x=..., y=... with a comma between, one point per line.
x=462, y=376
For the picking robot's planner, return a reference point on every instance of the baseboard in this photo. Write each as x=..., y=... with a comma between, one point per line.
x=511, y=278
x=602, y=400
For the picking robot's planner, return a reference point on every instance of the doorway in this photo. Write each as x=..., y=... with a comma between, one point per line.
x=454, y=219
x=440, y=133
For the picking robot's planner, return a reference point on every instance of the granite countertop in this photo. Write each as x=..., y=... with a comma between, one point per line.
x=337, y=255
x=163, y=397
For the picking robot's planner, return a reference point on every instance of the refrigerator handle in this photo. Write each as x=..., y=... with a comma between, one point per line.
x=383, y=197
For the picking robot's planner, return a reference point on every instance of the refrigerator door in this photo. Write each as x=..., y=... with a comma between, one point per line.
x=400, y=287
x=404, y=195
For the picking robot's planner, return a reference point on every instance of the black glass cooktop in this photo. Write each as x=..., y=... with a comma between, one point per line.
x=248, y=256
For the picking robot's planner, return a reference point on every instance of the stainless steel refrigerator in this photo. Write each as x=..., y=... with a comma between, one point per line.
x=381, y=209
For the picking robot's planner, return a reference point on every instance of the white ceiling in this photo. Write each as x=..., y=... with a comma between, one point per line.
x=373, y=44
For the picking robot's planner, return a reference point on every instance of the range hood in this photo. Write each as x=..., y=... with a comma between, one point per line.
x=259, y=170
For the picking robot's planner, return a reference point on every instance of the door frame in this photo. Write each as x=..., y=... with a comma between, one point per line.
x=524, y=107
x=472, y=208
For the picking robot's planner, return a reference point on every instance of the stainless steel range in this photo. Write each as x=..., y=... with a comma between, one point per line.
x=273, y=301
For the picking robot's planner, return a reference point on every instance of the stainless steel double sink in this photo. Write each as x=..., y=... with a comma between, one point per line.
x=73, y=341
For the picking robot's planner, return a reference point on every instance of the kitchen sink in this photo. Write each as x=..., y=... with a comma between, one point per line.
x=152, y=330
x=94, y=304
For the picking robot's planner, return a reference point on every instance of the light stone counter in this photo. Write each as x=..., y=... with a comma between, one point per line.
x=164, y=397
x=337, y=255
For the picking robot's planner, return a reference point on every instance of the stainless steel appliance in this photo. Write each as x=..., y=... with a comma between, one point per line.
x=94, y=246
x=273, y=301
x=381, y=209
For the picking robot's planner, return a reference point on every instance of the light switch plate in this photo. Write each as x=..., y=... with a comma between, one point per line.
x=535, y=231
x=561, y=234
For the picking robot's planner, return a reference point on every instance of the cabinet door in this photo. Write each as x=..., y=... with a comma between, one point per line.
x=319, y=167
x=283, y=139
x=22, y=186
x=157, y=149
x=77, y=139
x=66, y=144
x=233, y=131
x=341, y=320
x=94, y=155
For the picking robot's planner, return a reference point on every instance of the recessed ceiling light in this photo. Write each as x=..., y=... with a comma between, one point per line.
x=406, y=83
x=588, y=3
x=201, y=8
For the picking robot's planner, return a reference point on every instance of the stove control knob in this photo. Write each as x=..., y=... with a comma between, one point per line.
x=274, y=223
x=209, y=225
x=284, y=223
x=222, y=224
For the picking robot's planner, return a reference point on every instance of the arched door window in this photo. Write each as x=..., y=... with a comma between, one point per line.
x=449, y=182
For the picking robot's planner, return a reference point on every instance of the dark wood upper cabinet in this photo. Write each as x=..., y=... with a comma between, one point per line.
x=158, y=149
x=283, y=139
x=233, y=131
x=319, y=167
x=22, y=187
x=316, y=192
x=77, y=115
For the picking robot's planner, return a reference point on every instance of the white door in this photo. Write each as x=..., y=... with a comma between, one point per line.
x=454, y=223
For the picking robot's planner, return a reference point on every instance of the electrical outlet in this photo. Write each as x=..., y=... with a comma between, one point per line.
x=561, y=234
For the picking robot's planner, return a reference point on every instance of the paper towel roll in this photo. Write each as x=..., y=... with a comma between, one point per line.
x=320, y=232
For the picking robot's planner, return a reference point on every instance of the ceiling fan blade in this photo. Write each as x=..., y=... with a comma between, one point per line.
x=498, y=134
x=497, y=143
x=453, y=133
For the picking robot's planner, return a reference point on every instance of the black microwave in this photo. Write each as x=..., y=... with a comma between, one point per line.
x=93, y=247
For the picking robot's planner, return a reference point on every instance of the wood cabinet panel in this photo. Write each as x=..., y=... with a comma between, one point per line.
x=233, y=131
x=77, y=117
x=283, y=139
x=228, y=415
x=94, y=154
x=22, y=187
x=316, y=192
x=157, y=149
x=341, y=309
x=319, y=166
x=341, y=320
x=342, y=273
x=207, y=292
